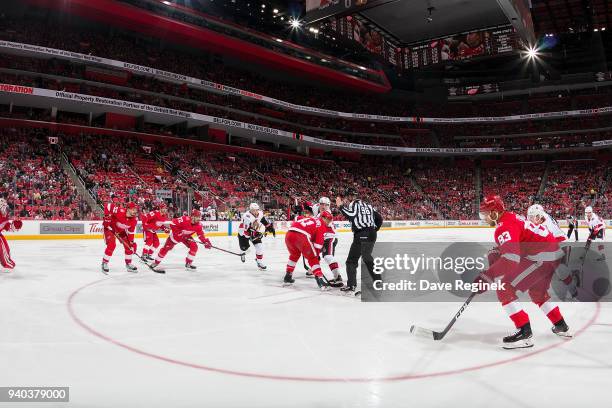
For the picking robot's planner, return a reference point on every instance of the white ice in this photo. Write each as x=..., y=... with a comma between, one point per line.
x=229, y=335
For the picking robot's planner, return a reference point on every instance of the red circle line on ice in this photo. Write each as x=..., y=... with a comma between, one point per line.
x=400, y=377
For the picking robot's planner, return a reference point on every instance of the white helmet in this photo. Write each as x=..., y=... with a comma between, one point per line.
x=324, y=200
x=254, y=207
x=3, y=206
x=536, y=210
x=588, y=210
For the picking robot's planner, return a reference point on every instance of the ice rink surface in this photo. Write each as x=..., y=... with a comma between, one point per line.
x=229, y=335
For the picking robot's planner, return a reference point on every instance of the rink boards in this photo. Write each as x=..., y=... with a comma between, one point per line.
x=42, y=230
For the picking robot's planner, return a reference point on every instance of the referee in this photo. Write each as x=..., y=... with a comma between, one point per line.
x=365, y=222
x=572, y=223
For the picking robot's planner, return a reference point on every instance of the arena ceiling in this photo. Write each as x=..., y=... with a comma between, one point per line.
x=410, y=21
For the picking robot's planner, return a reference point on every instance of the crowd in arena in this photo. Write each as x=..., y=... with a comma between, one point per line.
x=401, y=188
x=32, y=179
x=144, y=89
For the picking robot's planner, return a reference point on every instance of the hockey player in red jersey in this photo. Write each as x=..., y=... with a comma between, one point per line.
x=328, y=253
x=305, y=238
x=151, y=223
x=6, y=224
x=120, y=223
x=182, y=230
x=525, y=260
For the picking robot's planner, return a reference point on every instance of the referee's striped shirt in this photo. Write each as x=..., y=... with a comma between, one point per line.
x=360, y=214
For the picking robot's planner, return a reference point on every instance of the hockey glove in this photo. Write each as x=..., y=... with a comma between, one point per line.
x=493, y=255
x=270, y=229
x=206, y=242
x=482, y=278
x=17, y=224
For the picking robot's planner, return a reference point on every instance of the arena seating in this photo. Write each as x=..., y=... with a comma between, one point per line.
x=226, y=181
x=517, y=184
x=452, y=192
x=401, y=135
x=120, y=171
x=123, y=47
x=32, y=180
x=569, y=185
x=114, y=172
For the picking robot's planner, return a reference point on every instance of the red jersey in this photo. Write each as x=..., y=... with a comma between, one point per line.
x=121, y=223
x=109, y=209
x=519, y=238
x=313, y=228
x=153, y=220
x=182, y=228
x=5, y=223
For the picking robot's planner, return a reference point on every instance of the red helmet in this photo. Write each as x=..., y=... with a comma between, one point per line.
x=492, y=203
x=326, y=214
x=131, y=205
x=196, y=213
x=162, y=205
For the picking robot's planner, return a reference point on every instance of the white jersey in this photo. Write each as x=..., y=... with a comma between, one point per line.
x=596, y=224
x=247, y=221
x=554, y=228
x=330, y=233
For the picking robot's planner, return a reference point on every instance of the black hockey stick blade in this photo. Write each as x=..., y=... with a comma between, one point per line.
x=155, y=269
x=332, y=285
x=430, y=334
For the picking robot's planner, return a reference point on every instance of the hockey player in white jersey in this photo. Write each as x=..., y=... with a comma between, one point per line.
x=253, y=226
x=329, y=246
x=597, y=231
x=538, y=216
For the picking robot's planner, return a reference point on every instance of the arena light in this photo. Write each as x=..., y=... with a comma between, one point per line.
x=295, y=23
x=275, y=11
x=532, y=53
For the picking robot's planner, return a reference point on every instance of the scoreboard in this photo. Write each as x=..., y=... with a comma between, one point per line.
x=460, y=47
x=453, y=48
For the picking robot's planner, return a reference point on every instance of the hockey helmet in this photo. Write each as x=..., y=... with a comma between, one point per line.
x=536, y=210
x=324, y=200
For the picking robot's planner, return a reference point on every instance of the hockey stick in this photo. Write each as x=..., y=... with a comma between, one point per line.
x=139, y=257
x=242, y=255
x=580, y=274
x=430, y=334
